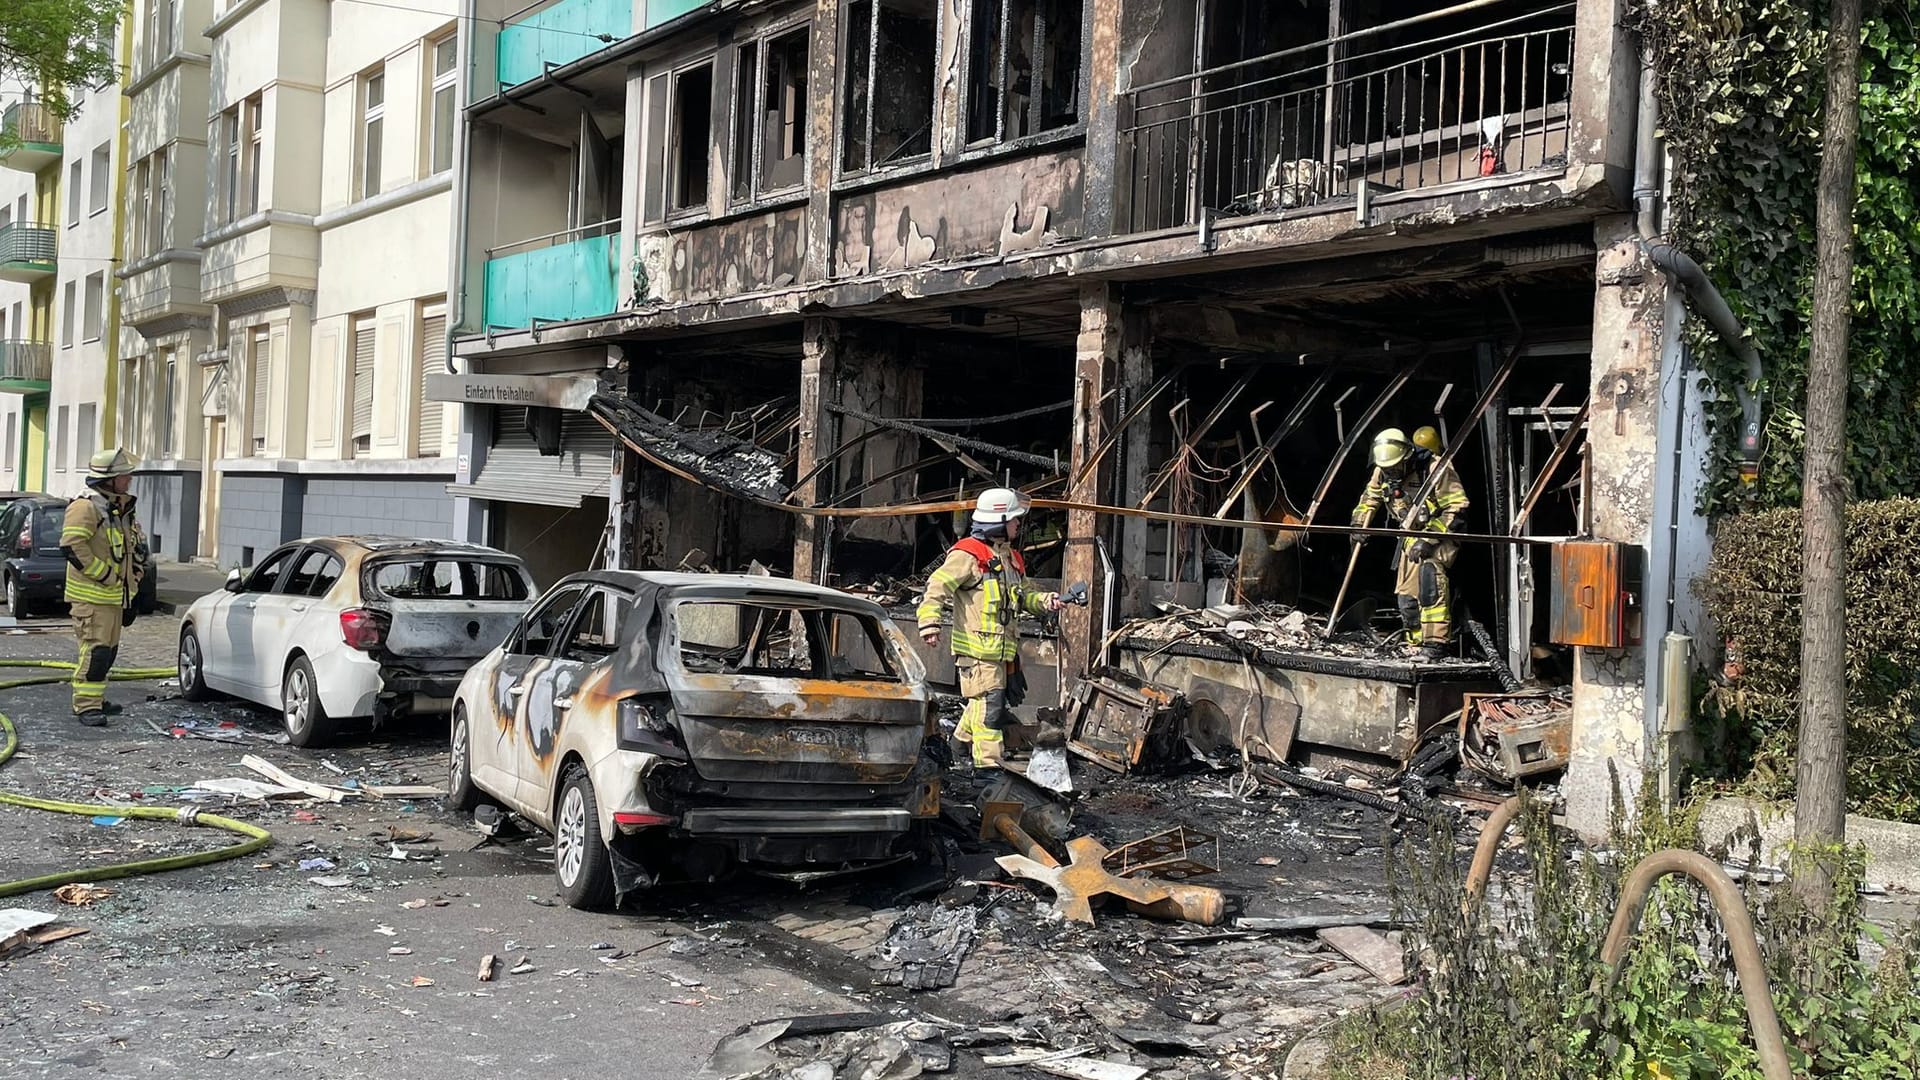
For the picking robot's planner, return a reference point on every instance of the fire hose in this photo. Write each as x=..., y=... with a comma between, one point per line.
x=255, y=837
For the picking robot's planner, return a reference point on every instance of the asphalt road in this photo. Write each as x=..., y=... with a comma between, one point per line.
x=249, y=968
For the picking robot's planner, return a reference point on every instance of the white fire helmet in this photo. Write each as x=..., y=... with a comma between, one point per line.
x=999, y=505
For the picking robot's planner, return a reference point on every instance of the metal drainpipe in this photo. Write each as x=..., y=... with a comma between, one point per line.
x=1646, y=151
x=1713, y=307
x=462, y=190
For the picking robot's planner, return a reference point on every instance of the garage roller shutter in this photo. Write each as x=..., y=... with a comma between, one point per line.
x=363, y=374
x=515, y=472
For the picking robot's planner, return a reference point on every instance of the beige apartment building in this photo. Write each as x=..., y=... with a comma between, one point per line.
x=59, y=219
x=303, y=271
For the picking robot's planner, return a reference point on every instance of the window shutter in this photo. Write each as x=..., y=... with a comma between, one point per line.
x=433, y=361
x=363, y=342
x=262, y=389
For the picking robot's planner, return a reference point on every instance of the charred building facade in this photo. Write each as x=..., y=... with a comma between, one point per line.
x=1166, y=263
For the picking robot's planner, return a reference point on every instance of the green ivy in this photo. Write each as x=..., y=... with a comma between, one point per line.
x=1741, y=90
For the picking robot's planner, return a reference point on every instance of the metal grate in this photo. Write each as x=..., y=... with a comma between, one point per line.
x=1287, y=130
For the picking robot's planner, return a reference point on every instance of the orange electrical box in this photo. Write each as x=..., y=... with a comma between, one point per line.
x=1596, y=594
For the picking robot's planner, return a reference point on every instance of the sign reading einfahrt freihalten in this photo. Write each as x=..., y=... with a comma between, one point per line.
x=553, y=391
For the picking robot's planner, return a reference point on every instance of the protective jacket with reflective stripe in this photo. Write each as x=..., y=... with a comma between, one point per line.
x=986, y=598
x=100, y=534
x=1444, y=503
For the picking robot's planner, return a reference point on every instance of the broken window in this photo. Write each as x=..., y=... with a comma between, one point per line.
x=887, y=108
x=782, y=641
x=1024, y=68
x=689, y=137
x=769, y=115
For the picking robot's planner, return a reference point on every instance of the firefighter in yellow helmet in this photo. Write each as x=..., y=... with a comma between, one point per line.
x=983, y=580
x=101, y=541
x=1400, y=469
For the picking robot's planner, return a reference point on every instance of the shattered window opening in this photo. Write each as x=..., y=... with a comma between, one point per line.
x=437, y=579
x=781, y=641
x=534, y=636
x=887, y=102
x=690, y=137
x=1019, y=46
x=769, y=115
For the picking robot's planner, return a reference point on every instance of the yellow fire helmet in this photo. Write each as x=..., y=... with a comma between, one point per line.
x=1390, y=448
x=1427, y=439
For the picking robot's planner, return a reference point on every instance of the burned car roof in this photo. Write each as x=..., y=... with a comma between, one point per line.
x=386, y=545
x=668, y=585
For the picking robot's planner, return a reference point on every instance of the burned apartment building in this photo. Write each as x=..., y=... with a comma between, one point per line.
x=829, y=267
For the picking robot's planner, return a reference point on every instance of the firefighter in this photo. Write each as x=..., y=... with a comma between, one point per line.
x=1400, y=469
x=100, y=538
x=983, y=580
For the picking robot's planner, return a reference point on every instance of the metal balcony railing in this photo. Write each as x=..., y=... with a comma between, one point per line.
x=26, y=361
x=28, y=242
x=30, y=122
x=1293, y=129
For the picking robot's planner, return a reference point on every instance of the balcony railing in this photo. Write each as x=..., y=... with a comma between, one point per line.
x=568, y=275
x=26, y=361
x=31, y=122
x=1282, y=131
x=559, y=35
x=27, y=250
x=29, y=136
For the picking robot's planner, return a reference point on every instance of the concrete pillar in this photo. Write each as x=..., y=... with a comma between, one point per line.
x=819, y=364
x=1611, y=727
x=1111, y=365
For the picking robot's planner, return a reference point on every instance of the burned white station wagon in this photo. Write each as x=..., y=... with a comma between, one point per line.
x=673, y=726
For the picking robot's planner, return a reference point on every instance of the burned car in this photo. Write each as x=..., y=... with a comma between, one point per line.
x=668, y=726
x=338, y=627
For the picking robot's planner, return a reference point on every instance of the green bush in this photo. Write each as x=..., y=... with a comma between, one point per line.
x=1753, y=594
x=1512, y=988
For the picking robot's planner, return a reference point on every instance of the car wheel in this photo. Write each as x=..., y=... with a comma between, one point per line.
x=581, y=863
x=300, y=708
x=17, y=605
x=192, y=667
x=461, y=794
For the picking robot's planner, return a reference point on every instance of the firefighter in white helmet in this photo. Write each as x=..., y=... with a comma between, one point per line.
x=984, y=581
x=1400, y=468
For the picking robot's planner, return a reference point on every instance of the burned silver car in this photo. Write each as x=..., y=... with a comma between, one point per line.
x=673, y=726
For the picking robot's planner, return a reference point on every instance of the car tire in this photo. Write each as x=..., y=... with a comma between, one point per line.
x=301, y=712
x=18, y=605
x=461, y=794
x=582, y=866
x=190, y=665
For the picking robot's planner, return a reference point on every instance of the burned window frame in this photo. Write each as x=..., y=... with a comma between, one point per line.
x=747, y=180
x=983, y=95
x=666, y=84
x=844, y=91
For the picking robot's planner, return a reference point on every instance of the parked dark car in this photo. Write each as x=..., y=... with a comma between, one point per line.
x=34, y=569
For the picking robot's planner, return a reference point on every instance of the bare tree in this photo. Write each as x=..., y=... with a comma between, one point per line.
x=1820, y=804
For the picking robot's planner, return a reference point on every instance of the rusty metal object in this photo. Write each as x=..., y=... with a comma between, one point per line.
x=1734, y=919
x=1271, y=443
x=1120, y=722
x=1085, y=877
x=1595, y=594
x=1176, y=854
x=1491, y=833
x=1512, y=736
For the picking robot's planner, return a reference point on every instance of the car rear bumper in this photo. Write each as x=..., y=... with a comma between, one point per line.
x=734, y=821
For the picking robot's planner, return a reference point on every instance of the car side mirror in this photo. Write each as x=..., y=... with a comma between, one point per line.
x=235, y=581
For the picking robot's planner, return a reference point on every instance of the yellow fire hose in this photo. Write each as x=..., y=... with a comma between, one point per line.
x=256, y=837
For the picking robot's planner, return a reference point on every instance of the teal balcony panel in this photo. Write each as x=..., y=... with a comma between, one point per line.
x=660, y=11
x=27, y=251
x=566, y=281
x=560, y=35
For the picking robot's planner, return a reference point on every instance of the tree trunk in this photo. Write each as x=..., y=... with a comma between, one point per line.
x=1820, y=809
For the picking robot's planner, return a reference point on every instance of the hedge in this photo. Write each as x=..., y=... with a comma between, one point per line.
x=1753, y=593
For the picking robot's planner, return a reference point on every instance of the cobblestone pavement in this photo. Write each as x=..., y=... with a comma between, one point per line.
x=252, y=967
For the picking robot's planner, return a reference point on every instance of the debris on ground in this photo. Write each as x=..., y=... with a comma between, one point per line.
x=80, y=894
x=1383, y=959
x=241, y=787
x=926, y=947
x=285, y=779
x=488, y=964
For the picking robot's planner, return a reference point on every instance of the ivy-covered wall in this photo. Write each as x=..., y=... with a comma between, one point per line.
x=1741, y=89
